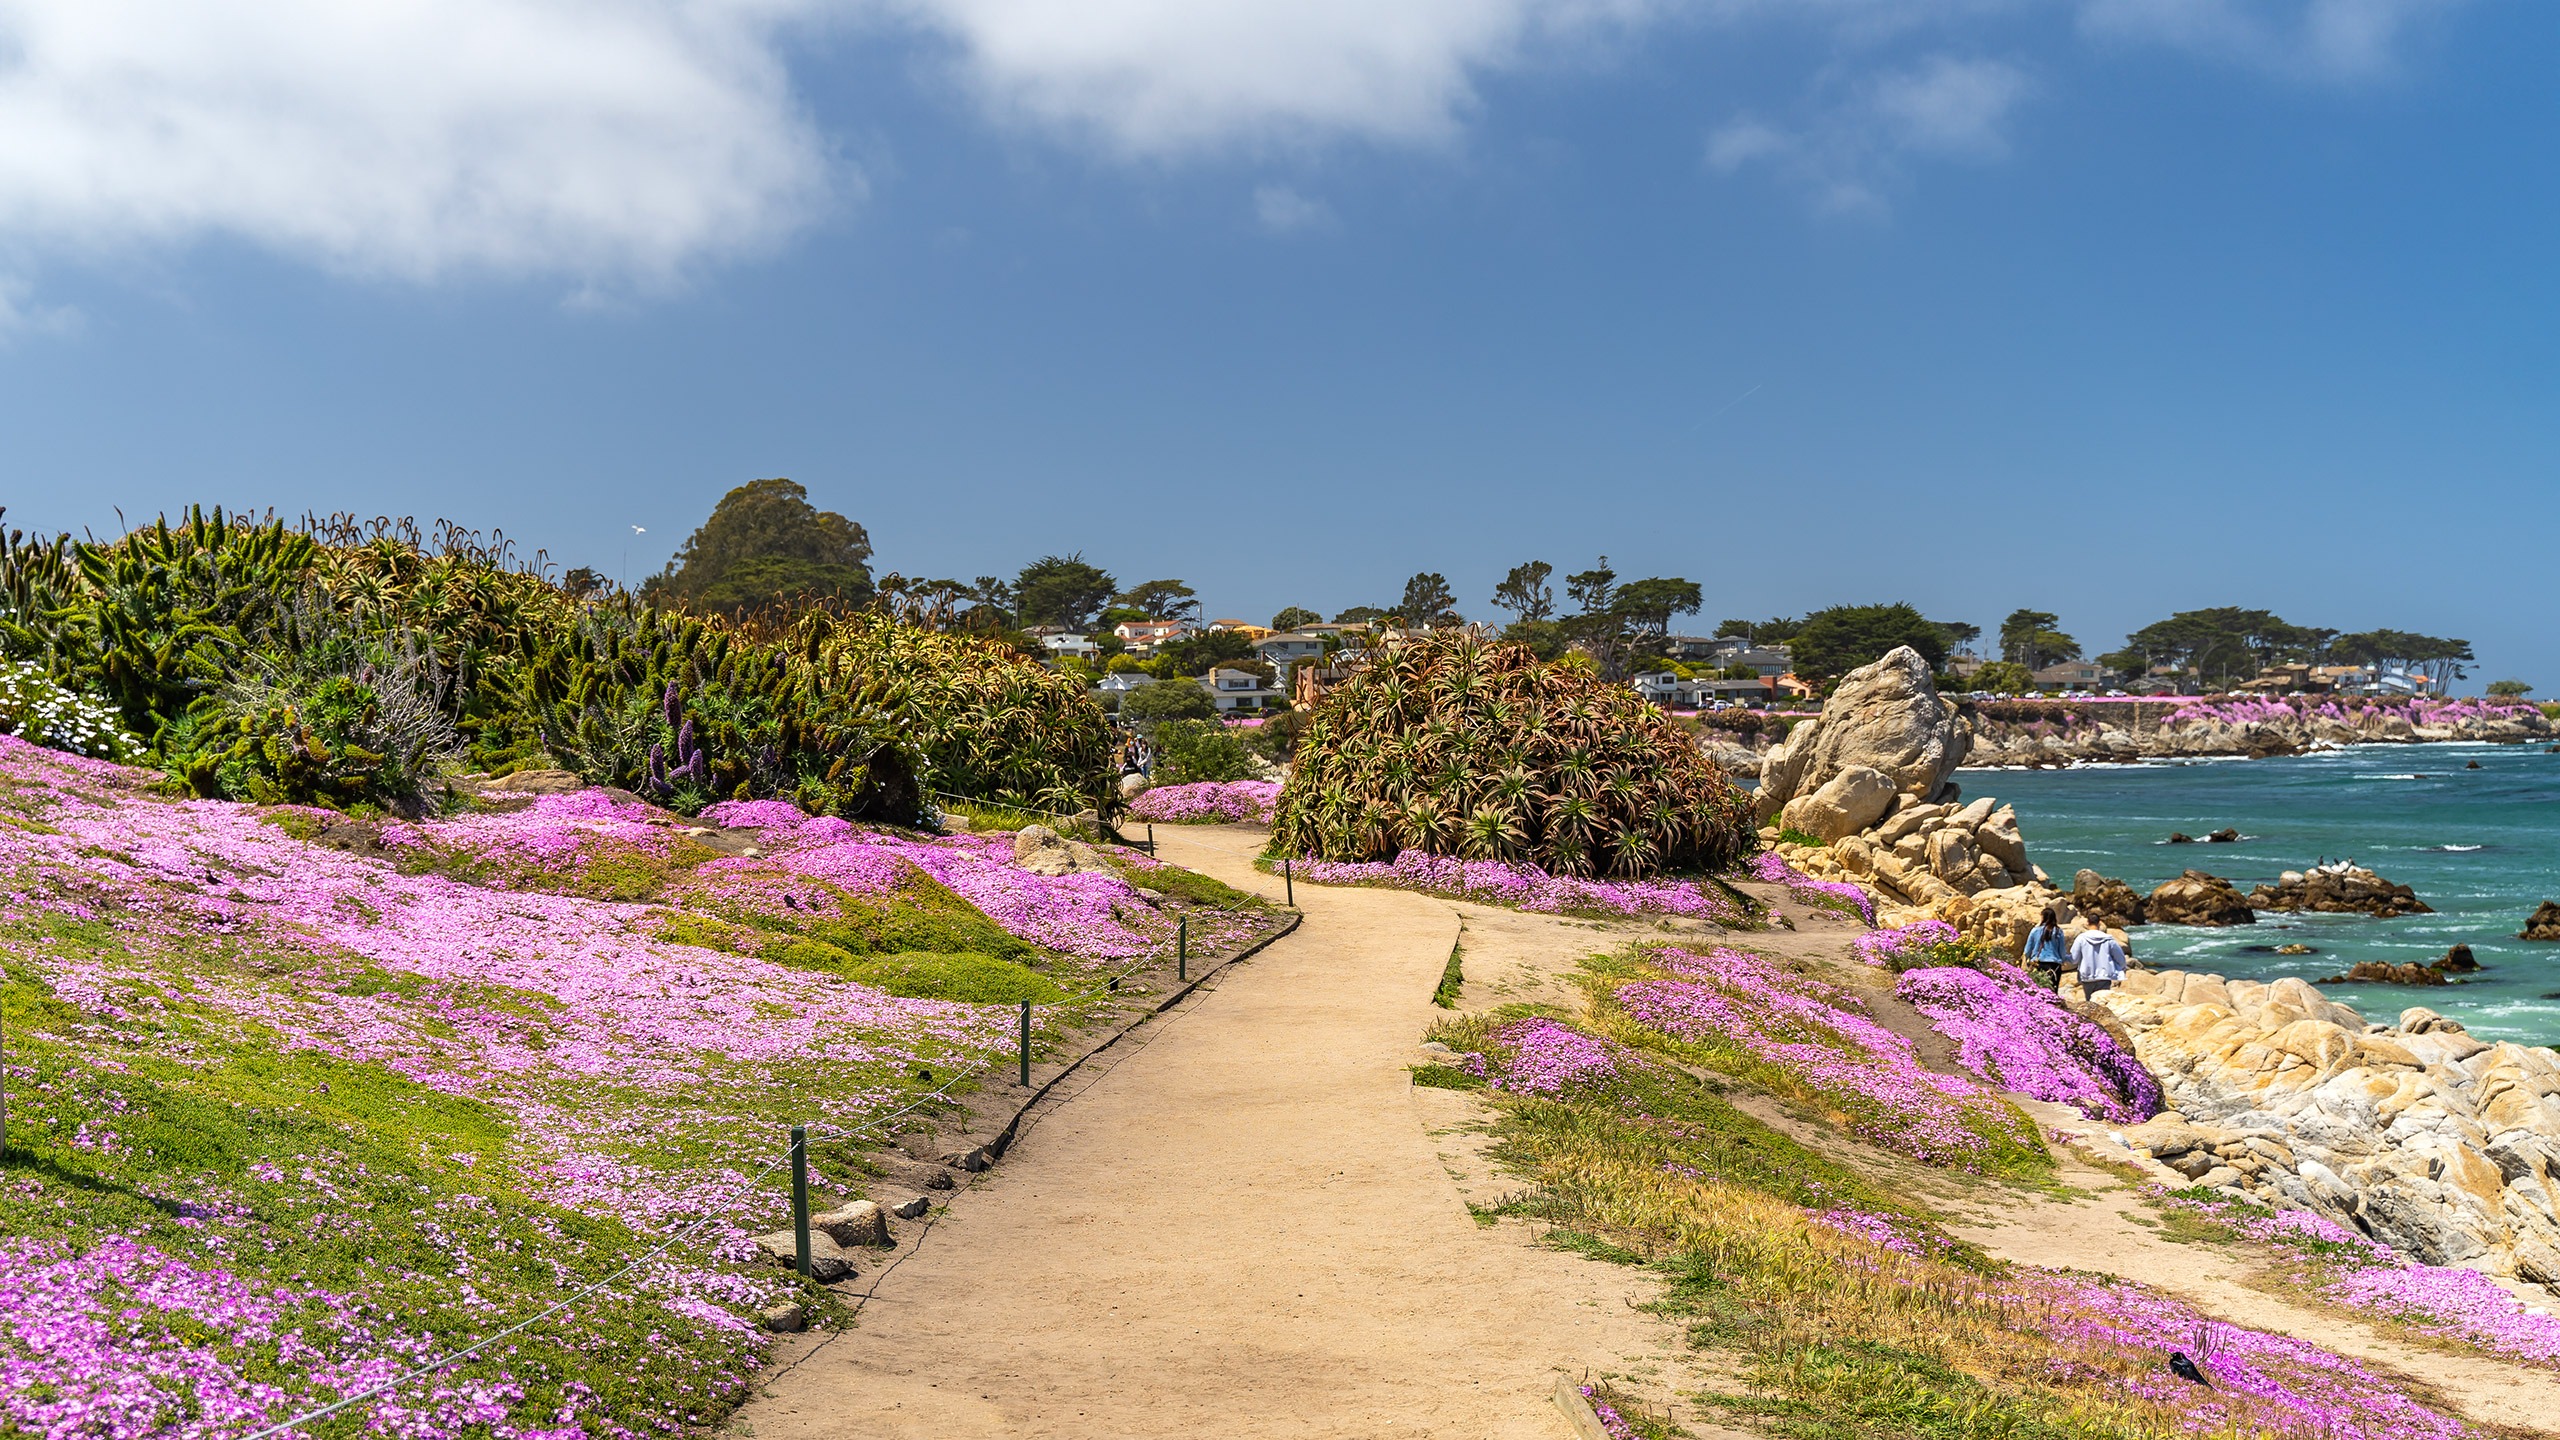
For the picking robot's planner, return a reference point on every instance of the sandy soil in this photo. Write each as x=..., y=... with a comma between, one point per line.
x=1244, y=1226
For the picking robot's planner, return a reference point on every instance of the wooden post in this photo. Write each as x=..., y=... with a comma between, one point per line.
x=800, y=1193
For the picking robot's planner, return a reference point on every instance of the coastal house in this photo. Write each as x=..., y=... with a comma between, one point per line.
x=1121, y=682
x=1290, y=647
x=1716, y=650
x=2070, y=675
x=1064, y=645
x=1675, y=692
x=1767, y=661
x=1142, y=636
x=1246, y=628
x=1238, y=690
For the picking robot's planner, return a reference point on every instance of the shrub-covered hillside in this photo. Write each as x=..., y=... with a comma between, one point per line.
x=351, y=666
x=298, y=1100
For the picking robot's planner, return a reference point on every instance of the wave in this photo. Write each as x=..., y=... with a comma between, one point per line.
x=2452, y=849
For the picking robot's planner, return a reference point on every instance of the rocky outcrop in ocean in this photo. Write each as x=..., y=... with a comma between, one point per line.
x=2196, y=898
x=2030, y=733
x=2433, y=1142
x=2543, y=924
x=2339, y=888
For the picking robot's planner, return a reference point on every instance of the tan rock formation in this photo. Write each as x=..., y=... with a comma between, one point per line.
x=1886, y=716
x=2436, y=1143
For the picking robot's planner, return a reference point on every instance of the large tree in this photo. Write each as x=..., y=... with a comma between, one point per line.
x=1294, y=616
x=2437, y=657
x=2029, y=640
x=1429, y=601
x=1840, y=639
x=1525, y=592
x=2225, y=643
x=1161, y=600
x=1062, y=590
x=1648, y=605
x=764, y=543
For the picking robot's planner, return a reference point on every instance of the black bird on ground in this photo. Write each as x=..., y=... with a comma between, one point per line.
x=2185, y=1369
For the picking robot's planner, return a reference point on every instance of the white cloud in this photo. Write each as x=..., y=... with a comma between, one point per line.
x=2322, y=39
x=1165, y=78
x=1851, y=153
x=1284, y=211
x=609, y=141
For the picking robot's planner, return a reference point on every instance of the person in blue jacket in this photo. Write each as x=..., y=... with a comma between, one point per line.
x=2046, y=951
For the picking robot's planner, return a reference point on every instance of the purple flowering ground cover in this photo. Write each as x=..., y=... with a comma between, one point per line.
x=1208, y=802
x=1843, y=1298
x=2362, y=1274
x=290, y=1114
x=1527, y=887
x=1816, y=1041
x=2017, y=1034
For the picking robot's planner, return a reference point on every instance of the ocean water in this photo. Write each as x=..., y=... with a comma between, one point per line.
x=2481, y=846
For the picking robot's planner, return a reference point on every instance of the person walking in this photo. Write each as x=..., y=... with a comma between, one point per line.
x=2046, y=952
x=2100, y=960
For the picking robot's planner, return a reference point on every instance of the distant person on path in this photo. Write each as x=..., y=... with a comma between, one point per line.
x=2047, y=948
x=2101, y=961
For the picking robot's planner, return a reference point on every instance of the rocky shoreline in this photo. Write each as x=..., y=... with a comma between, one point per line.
x=2439, y=1145
x=2004, y=736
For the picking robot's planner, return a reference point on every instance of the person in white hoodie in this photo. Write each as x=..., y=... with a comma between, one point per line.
x=2100, y=960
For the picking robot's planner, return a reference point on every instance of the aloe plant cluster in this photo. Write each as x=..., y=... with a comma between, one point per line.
x=1453, y=747
x=350, y=664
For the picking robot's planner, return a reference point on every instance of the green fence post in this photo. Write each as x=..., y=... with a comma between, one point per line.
x=800, y=1193
x=1182, y=948
x=1026, y=1042
x=1290, y=881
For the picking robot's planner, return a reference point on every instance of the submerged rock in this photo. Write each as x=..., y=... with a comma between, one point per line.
x=2382, y=972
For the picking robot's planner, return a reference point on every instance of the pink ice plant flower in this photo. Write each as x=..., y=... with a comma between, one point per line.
x=1208, y=802
x=1772, y=868
x=1822, y=1035
x=2015, y=1033
x=2356, y=1270
x=1882, y=947
x=1539, y=1056
x=1527, y=887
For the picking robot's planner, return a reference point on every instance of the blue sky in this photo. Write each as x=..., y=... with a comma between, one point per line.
x=2108, y=308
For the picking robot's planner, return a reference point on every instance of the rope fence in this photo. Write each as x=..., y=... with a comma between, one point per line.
x=794, y=1157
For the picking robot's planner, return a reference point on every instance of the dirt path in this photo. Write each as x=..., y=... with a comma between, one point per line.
x=1241, y=1228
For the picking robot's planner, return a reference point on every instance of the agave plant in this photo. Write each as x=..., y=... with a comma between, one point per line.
x=1454, y=747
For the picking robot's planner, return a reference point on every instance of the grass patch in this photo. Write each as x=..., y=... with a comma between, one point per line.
x=1452, y=977
x=978, y=979
x=1189, y=886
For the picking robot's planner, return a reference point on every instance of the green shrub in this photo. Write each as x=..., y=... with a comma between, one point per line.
x=1195, y=750
x=978, y=979
x=1167, y=700
x=1453, y=747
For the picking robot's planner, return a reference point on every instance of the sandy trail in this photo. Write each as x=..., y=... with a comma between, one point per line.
x=1242, y=1227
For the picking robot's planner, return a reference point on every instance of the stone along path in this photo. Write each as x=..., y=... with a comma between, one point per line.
x=1240, y=1228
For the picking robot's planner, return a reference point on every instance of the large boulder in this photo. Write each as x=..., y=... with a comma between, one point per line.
x=1887, y=717
x=2544, y=923
x=2195, y=898
x=2104, y=901
x=1847, y=803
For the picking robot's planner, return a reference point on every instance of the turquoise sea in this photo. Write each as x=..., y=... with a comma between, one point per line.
x=2481, y=846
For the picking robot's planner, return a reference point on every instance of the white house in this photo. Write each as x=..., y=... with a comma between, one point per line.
x=1062, y=646
x=1290, y=647
x=1238, y=690
x=1121, y=682
x=1144, y=635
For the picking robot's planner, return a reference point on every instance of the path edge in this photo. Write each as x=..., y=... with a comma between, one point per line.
x=1004, y=1138
x=1577, y=1410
